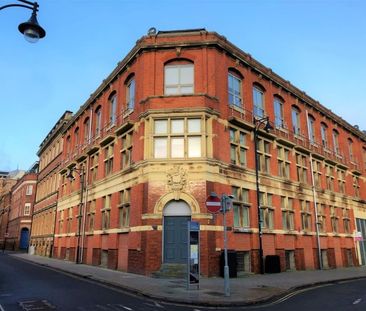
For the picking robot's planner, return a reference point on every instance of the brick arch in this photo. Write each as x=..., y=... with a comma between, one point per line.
x=172, y=196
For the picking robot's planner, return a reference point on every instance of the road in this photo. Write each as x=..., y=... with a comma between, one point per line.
x=26, y=286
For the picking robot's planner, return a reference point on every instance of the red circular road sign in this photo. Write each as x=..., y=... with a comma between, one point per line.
x=213, y=204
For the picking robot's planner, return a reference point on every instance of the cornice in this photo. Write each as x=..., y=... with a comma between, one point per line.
x=212, y=40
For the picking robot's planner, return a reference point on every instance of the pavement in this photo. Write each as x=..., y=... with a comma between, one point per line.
x=248, y=290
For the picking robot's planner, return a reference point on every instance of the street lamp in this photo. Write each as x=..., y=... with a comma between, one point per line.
x=258, y=123
x=31, y=30
x=70, y=176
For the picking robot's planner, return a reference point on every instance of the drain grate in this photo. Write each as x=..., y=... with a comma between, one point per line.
x=32, y=305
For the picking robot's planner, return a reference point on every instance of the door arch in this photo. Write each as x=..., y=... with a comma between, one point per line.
x=24, y=238
x=176, y=216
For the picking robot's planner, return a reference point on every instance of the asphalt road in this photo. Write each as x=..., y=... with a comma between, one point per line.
x=26, y=286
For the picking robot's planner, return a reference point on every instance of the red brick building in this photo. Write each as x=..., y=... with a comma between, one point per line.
x=21, y=207
x=174, y=122
x=44, y=212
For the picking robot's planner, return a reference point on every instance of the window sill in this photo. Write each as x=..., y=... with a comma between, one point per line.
x=124, y=230
x=242, y=230
x=290, y=232
x=268, y=231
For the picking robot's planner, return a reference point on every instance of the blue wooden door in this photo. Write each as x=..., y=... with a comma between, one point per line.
x=24, y=238
x=175, y=239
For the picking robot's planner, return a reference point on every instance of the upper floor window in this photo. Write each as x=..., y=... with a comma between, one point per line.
x=311, y=129
x=86, y=130
x=295, y=114
x=27, y=209
x=283, y=161
x=241, y=207
x=336, y=142
x=112, y=109
x=76, y=137
x=29, y=190
x=258, y=102
x=238, y=147
x=179, y=78
x=323, y=133
x=364, y=157
x=178, y=138
x=278, y=109
x=130, y=94
x=126, y=149
x=264, y=155
x=350, y=149
x=68, y=145
x=302, y=167
x=98, y=121
x=266, y=210
x=108, y=159
x=287, y=213
x=234, y=90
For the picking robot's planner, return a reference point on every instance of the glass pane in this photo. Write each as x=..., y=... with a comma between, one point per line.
x=246, y=216
x=160, y=148
x=236, y=215
x=232, y=154
x=242, y=138
x=186, y=89
x=171, y=75
x=232, y=135
x=194, y=147
x=186, y=74
x=242, y=156
x=194, y=125
x=177, y=147
x=161, y=126
x=177, y=126
x=171, y=90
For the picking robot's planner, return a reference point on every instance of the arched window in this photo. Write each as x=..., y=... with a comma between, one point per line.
x=336, y=142
x=258, y=101
x=235, y=89
x=324, y=134
x=68, y=145
x=76, y=137
x=86, y=130
x=179, y=78
x=295, y=116
x=278, y=110
x=130, y=93
x=112, y=109
x=311, y=128
x=98, y=121
x=350, y=149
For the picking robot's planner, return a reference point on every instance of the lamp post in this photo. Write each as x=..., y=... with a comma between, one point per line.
x=31, y=30
x=70, y=176
x=258, y=123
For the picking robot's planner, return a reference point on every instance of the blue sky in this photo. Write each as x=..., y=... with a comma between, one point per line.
x=318, y=45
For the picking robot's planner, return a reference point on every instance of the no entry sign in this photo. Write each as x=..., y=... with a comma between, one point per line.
x=213, y=204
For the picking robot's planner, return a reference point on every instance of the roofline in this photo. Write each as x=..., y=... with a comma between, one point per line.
x=222, y=43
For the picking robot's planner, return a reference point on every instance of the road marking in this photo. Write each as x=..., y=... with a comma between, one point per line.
x=5, y=295
x=158, y=305
x=1, y=308
x=127, y=308
x=357, y=301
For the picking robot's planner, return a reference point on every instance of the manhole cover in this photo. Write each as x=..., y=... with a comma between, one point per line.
x=29, y=305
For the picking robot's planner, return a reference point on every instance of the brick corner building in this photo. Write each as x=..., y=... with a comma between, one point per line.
x=175, y=121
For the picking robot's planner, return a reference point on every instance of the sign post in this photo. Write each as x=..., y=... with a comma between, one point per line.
x=214, y=205
x=193, y=266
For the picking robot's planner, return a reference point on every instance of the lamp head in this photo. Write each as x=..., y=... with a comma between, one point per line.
x=69, y=174
x=31, y=30
x=268, y=127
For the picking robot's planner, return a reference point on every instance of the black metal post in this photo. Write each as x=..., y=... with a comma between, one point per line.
x=258, y=198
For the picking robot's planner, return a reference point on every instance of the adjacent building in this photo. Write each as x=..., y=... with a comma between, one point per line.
x=174, y=122
x=44, y=212
x=7, y=181
x=21, y=208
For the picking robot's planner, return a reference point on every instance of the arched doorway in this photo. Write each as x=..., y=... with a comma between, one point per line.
x=24, y=238
x=176, y=216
